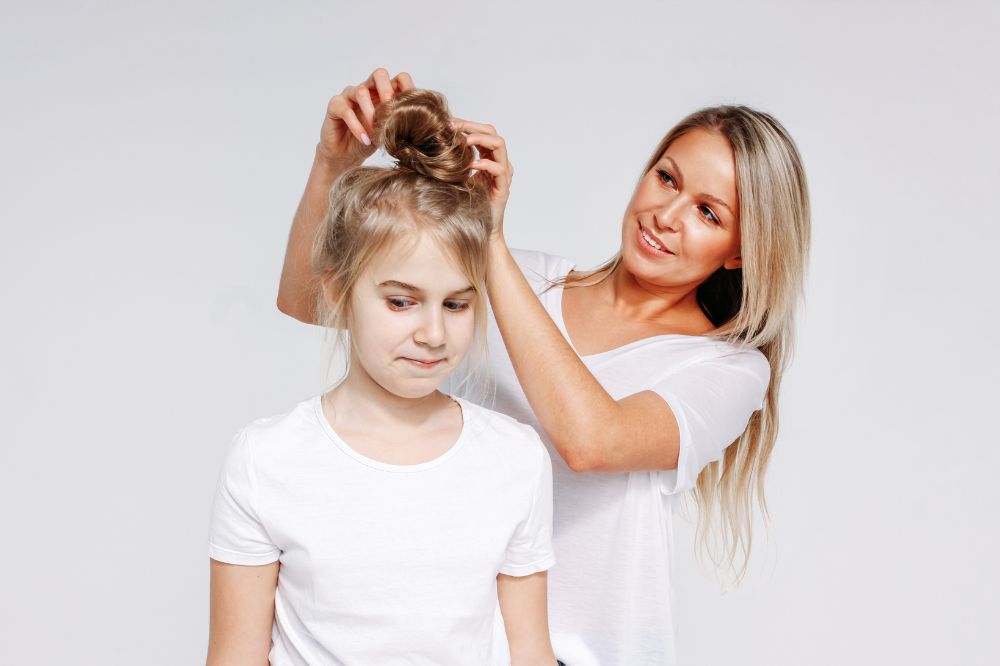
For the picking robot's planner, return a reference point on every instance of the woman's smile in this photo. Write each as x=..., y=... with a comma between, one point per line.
x=651, y=244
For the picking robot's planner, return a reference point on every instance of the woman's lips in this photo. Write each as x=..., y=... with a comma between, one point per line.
x=646, y=247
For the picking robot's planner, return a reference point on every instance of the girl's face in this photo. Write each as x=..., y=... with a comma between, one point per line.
x=681, y=224
x=412, y=318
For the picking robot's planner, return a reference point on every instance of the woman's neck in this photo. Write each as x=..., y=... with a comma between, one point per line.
x=639, y=301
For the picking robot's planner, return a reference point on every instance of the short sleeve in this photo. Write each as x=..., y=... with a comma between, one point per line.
x=712, y=402
x=530, y=549
x=237, y=535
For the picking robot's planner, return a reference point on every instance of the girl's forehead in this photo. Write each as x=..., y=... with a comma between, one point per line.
x=418, y=260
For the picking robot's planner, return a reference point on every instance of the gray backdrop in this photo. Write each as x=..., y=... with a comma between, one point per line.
x=153, y=154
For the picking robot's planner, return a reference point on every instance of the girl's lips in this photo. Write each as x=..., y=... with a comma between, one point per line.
x=422, y=364
x=646, y=247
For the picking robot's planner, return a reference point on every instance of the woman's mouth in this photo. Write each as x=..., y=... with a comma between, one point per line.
x=650, y=244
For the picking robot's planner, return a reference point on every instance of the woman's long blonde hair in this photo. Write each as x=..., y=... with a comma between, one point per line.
x=753, y=306
x=428, y=191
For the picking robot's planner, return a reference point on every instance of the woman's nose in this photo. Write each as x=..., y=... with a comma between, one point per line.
x=669, y=216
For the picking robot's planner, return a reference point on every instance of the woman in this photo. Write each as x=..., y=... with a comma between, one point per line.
x=660, y=369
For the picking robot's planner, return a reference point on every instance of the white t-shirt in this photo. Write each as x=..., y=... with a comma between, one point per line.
x=381, y=563
x=610, y=598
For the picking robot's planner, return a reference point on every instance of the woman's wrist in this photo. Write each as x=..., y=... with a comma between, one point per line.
x=333, y=164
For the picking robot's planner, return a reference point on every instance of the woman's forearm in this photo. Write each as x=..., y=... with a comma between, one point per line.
x=298, y=288
x=569, y=402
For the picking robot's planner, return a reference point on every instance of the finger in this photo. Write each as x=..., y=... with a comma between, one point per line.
x=403, y=82
x=363, y=99
x=380, y=79
x=491, y=146
x=495, y=169
x=340, y=109
x=470, y=126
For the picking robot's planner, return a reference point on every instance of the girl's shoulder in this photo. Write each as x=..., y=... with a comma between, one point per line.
x=272, y=437
x=493, y=430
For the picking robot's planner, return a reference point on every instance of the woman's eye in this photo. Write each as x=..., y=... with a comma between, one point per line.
x=456, y=306
x=707, y=212
x=399, y=303
x=666, y=177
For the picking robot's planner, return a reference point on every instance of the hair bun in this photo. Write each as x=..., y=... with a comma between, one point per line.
x=415, y=128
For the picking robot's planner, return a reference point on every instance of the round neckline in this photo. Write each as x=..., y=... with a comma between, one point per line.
x=348, y=450
x=561, y=325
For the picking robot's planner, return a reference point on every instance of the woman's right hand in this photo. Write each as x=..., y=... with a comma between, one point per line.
x=345, y=139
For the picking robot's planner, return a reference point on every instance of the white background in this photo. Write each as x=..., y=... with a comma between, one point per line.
x=151, y=157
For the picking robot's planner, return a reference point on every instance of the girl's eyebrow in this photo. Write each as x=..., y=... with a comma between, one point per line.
x=400, y=285
x=417, y=290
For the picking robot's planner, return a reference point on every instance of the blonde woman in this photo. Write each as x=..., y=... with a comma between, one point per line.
x=655, y=374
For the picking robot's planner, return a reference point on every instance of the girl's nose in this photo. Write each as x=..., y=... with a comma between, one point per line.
x=431, y=331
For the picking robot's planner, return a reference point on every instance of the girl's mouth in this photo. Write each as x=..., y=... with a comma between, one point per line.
x=425, y=363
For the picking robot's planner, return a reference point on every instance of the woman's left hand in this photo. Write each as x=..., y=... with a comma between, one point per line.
x=493, y=163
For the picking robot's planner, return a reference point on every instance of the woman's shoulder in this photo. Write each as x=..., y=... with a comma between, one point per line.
x=714, y=351
x=541, y=266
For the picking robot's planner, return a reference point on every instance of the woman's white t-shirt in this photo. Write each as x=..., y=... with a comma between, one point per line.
x=381, y=563
x=610, y=598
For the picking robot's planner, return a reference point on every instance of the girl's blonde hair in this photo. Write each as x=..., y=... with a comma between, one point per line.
x=428, y=191
x=753, y=307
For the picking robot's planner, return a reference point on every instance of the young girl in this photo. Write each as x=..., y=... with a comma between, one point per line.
x=385, y=522
x=654, y=375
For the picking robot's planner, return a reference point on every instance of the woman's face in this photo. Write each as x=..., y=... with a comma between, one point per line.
x=412, y=318
x=682, y=222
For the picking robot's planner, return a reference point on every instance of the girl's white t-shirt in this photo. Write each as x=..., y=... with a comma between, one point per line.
x=610, y=598
x=380, y=563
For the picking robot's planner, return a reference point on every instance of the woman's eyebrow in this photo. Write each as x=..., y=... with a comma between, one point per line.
x=703, y=195
x=719, y=201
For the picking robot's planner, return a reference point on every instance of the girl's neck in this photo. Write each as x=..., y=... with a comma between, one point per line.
x=360, y=402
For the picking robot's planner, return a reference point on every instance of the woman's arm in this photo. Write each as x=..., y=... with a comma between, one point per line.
x=591, y=430
x=345, y=142
x=524, y=606
x=242, y=611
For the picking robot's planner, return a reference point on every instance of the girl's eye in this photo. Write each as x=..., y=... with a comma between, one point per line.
x=707, y=212
x=396, y=303
x=456, y=306
x=666, y=177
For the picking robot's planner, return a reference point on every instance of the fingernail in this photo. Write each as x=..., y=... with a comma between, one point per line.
x=365, y=140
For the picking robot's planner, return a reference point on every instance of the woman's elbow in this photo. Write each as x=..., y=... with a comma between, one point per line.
x=294, y=309
x=588, y=458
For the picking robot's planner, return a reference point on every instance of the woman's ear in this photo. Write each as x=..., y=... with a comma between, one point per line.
x=733, y=262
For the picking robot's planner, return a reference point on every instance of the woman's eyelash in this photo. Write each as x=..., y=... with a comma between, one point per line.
x=704, y=210
x=458, y=305
x=707, y=212
x=665, y=177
